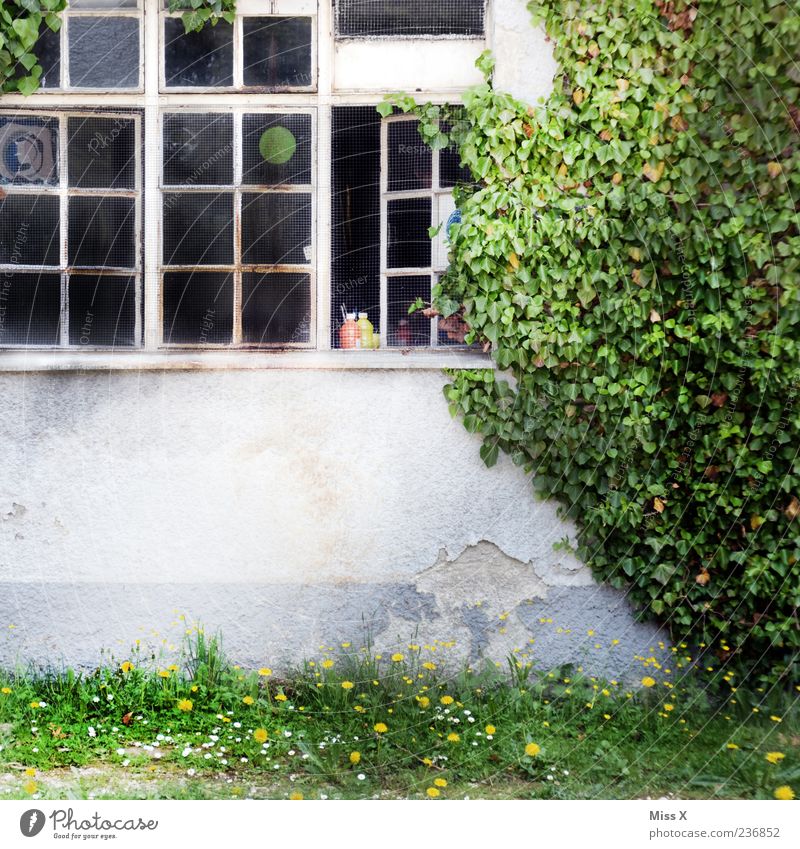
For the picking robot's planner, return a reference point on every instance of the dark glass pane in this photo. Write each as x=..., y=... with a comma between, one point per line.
x=198, y=228
x=450, y=171
x=276, y=308
x=29, y=230
x=202, y=58
x=28, y=150
x=30, y=309
x=277, y=52
x=101, y=232
x=276, y=229
x=359, y=18
x=198, y=308
x=276, y=149
x=409, y=243
x=103, y=52
x=404, y=330
x=101, y=153
x=102, y=4
x=198, y=149
x=47, y=50
x=410, y=159
x=102, y=310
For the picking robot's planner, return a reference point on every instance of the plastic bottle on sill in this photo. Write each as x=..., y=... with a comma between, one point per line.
x=349, y=332
x=365, y=330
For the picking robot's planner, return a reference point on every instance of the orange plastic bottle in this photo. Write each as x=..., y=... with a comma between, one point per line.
x=350, y=333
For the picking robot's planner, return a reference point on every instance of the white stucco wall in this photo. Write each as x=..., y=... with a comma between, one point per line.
x=288, y=508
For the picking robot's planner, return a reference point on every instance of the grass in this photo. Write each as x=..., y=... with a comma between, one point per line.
x=353, y=724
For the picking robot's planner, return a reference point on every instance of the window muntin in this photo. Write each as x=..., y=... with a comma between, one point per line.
x=70, y=229
x=98, y=47
x=238, y=228
x=411, y=18
x=254, y=53
x=416, y=194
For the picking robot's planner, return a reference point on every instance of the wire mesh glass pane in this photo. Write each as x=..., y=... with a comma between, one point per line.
x=276, y=149
x=29, y=230
x=409, y=245
x=101, y=232
x=276, y=309
x=198, y=308
x=450, y=171
x=276, y=229
x=28, y=150
x=410, y=159
x=103, y=52
x=198, y=149
x=102, y=4
x=363, y=18
x=404, y=330
x=101, y=153
x=202, y=58
x=198, y=228
x=277, y=52
x=31, y=313
x=47, y=51
x=102, y=310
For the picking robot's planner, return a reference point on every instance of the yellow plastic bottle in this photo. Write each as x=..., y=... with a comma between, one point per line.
x=365, y=327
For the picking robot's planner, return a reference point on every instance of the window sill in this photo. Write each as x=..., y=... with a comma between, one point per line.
x=401, y=359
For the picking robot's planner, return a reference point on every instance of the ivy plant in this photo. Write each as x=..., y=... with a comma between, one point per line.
x=631, y=251
x=21, y=22
x=198, y=13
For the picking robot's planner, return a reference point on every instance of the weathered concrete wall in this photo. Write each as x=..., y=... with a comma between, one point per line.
x=289, y=509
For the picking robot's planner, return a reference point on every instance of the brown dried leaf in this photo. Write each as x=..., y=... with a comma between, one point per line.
x=659, y=505
x=793, y=509
x=702, y=577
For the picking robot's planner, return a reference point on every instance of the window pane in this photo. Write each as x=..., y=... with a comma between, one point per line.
x=28, y=150
x=31, y=309
x=277, y=52
x=47, y=50
x=102, y=4
x=101, y=232
x=409, y=244
x=198, y=308
x=410, y=159
x=103, y=52
x=101, y=153
x=406, y=330
x=276, y=149
x=102, y=310
x=198, y=228
x=29, y=230
x=359, y=18
x=198, y=149
x=276, y=308
x=276, y=229
x=202, y=58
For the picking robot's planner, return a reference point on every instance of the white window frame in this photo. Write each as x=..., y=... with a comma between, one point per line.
x=64, y=192
x=152, y=102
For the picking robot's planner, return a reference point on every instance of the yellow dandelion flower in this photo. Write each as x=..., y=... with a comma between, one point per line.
x=424, y=701
x=668, y=708
x=427, y=761
x=264, y=672
x=30, y=771
x=164, y=673
x=355, y=758
x=397, y=657
x=185, y=705
x=775, y=757
x=490, y=729
x=440, y=782
x=647, y=681
x=784, y=792
x=380, y=727
x=452, y=737
x=327, y=664
x=5, y=691
x=172, y=667
x=776, y=719
x=296, y=796
x=732, y=746
x=34, y=704
x=30, y=787
x=260, y=735
x=126, y=667
x=447, y=700
x=248, y=700
x=280, y=697
x=429, y=665
x=433, y=792
x=347, y=685
x=532, y=749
